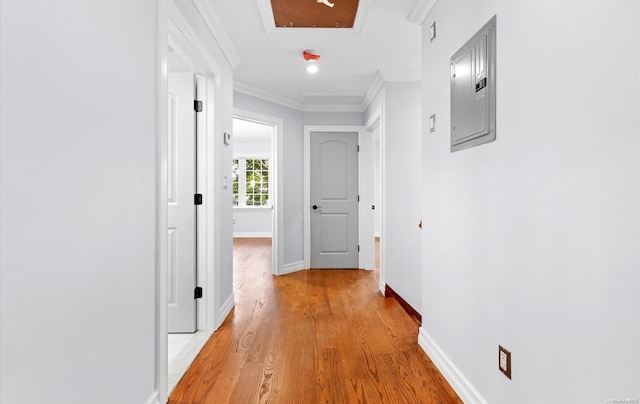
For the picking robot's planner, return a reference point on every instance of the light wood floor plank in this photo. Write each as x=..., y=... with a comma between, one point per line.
x=318, y=336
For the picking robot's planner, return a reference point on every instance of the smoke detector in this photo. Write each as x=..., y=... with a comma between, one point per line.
x=311, y=56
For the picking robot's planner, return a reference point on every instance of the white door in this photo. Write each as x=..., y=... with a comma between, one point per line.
x=334, y=199
x=181, y=209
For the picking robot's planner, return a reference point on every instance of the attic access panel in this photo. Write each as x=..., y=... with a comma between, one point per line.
x=473, y=90
x=312, y=14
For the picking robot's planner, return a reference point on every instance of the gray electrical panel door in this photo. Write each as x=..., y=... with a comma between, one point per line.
x=473, y=90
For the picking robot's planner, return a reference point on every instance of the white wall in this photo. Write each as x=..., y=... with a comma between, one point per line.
x=532, y=241
x=400, y=104
x=293, y=164
x=78, y=201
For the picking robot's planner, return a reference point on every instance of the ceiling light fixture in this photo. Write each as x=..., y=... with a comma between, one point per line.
x=311, y=56
x=325, y=2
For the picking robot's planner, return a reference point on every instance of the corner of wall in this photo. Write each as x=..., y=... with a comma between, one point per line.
x=463, y=387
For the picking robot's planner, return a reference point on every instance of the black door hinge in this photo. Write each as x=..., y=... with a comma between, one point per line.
x=197, y=199
x=197, y=293
x=358, y=248
x=358, y=148
x=197, y=105
x=358, y=198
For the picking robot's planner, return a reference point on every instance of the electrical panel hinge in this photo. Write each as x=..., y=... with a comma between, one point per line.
x=197, y=199
x=197, y=293
x=197, y=105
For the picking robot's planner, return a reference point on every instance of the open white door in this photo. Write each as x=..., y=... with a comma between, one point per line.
x=181, y=209
x=334, y=199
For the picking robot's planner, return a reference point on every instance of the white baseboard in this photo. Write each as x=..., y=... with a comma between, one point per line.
x=293, y=267
x=252, y=234
x=225, y=310
x=454, y=376
x=153, y=398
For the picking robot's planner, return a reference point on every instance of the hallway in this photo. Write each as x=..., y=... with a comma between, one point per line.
x=309, y=337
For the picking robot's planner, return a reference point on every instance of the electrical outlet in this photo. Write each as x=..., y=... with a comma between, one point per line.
x=504, y=361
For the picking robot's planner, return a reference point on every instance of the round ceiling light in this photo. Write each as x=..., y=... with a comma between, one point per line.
x=312, y=68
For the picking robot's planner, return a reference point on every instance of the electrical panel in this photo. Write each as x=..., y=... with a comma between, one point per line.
x=473, y=90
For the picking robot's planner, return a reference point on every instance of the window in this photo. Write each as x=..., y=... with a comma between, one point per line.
x=250, y=182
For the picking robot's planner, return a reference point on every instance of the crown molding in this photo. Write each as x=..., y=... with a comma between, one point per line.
x=264, y=95
x=211, y=18
x=421, y=11
x=389, y=75
x=183, y=38
x=374, y=88
x=378, y=81
x=285, y=102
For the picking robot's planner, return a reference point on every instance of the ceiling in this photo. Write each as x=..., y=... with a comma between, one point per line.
x=382, y=45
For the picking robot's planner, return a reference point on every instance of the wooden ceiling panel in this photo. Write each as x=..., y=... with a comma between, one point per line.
x=311, y=14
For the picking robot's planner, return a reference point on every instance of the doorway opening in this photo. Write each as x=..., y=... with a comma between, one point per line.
x=185, y=180
x=375, y=132
x=257, y=178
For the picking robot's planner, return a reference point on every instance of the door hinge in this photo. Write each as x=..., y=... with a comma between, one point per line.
x=358, y=248
x=197, y=105
x=197, y=199
x=197, y=293
x=358, y=148
x=358, y=198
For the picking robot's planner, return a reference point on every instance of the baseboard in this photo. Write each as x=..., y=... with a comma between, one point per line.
x=293, y=267
x=153, y=398
x=388, y=292
x=252, y=234
x=454, y=376
x=225, y=310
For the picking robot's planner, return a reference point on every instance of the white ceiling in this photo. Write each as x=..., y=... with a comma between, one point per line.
x=383, y=45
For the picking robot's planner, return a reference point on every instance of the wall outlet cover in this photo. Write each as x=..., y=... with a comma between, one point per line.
x=504, y=361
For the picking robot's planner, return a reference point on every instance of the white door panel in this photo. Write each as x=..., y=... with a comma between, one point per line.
x=181, y=210
x=334, y=199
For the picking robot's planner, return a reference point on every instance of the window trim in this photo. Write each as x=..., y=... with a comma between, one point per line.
x=242, y=173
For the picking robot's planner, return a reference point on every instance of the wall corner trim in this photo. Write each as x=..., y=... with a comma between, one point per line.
x=454, y=376
x=421, y=11
x=292, y=267
x=210, y=17
x=389, y=292
x=225, y=310
x=153, y=398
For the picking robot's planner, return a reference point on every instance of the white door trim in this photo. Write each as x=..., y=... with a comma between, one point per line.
x=162, y=218
x=307, y=184
x=173, y=29
x=377, y=119
x=277, y=193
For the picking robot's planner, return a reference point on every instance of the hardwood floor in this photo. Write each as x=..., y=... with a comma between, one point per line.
x=318, y=336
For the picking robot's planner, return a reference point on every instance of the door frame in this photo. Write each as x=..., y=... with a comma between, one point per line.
x=277, y=172
x=376, y=120
x=174, y=30
x=366, y=255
